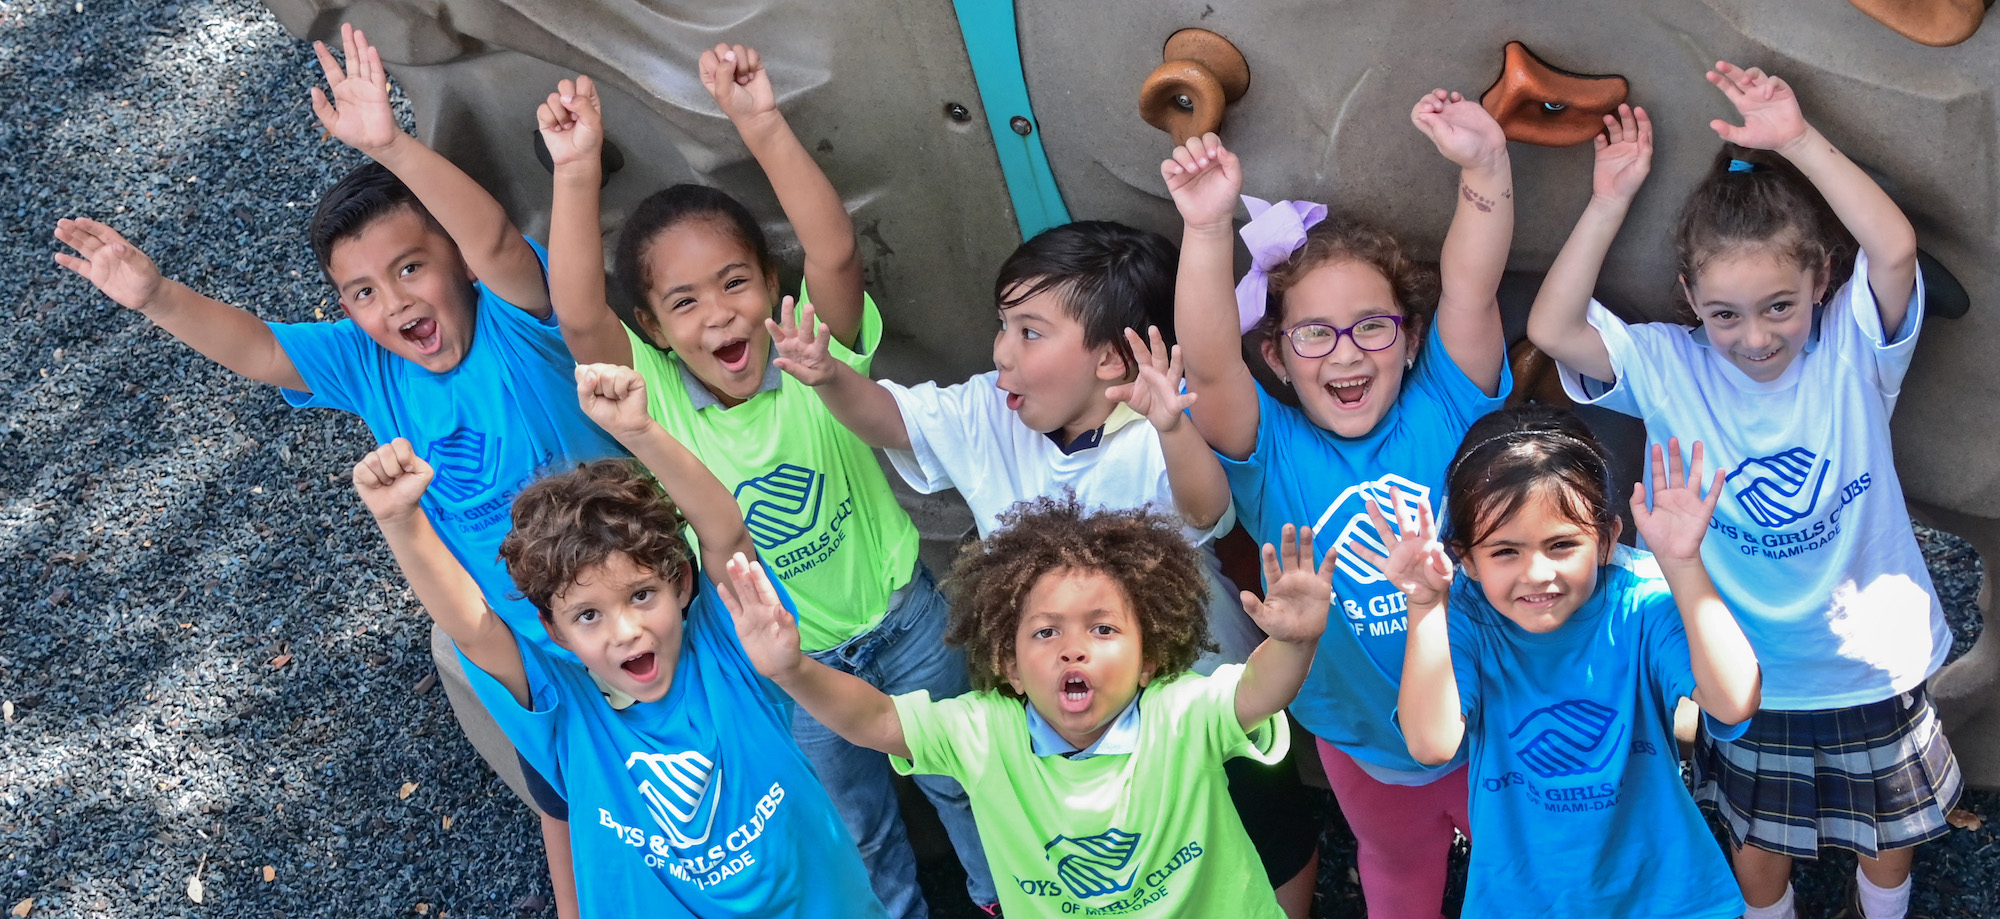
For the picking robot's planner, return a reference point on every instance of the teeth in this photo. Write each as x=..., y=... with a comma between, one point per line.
x=410, y=325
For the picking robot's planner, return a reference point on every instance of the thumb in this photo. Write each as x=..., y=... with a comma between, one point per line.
x=1727, y=131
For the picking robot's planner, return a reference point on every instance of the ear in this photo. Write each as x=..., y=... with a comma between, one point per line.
x=1821, y=278
x=1611, y=542
x=555, y=635
x=1687, y=294
x=1465, y=562
x=1413, y=339
x=1011, y=669
x=685, y=584
x=1274, y=358
x=1110, y=366
x=771, y=289
x=650, y=324
x=1146, y=673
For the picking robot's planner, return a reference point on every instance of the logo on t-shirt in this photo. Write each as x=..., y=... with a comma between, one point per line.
x=463, y=462
x=1091, y=866
x=781, y=505
x=1358, y=530
x=681, y=789
x=1567, y=738
x=1782, y=488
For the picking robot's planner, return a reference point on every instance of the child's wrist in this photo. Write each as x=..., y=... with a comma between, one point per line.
x=761, y=127
x=589, y=170
x=1214, y=229
x=1490, y=164
x=394, y=148
x=1802, y=144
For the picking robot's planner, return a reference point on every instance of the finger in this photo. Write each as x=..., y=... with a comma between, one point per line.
x=1382, y=530
x=404, y=455
x=323, y=109
x=371, y=62
x=1715, y=490
x=1251, y=605
x=809, y=325
x=1290, y=551
x=1694, y=470
x=1639, y=514
x=1676, y=469
x=766, y=593
x=347, y=48
x=327, y=64
x=1269, y=556
x=586, y=89
x=1659, y=465
x=1426, y=527
x=73, y=263
x=1645, y=129
x=754, y=64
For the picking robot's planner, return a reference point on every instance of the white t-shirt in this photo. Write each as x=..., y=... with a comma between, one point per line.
x=1811, y=544
x=965, y=437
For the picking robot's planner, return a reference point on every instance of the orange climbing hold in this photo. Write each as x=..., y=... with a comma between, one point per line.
x=1938, y=23
x=1187, y=95
x=1543, y=105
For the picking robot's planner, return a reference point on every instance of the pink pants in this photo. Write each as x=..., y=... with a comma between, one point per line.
x=1404, y=832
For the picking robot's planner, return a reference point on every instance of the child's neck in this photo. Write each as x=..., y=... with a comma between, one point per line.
x=1089, y=420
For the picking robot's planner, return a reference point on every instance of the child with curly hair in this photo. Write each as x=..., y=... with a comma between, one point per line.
x=1092, y=757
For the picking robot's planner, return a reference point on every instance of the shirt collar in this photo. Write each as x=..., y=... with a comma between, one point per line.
x=1121, y=737
x=702, y=398
x=1121, y=415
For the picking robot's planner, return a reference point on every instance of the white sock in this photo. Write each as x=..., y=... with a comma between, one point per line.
x=1779, y=910
x=1882, y=902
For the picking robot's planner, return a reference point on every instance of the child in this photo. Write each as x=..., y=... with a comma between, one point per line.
x=1104, y=793
x=1384, y=394
x=1079, y=403
x=1792, y=391
x=448, y=342
x=699, y=802
x=702, y=281
x=1562, y=670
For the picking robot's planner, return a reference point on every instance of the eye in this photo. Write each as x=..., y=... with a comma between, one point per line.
x=1044, y=632
x=1563, y=545
x=1312, y=333
x=734, y=283
x=363, y=294
x=1030, y=334
x=1103, y=630
x=682, y=303
x=1501, y=553
x=641, y=596
x=409, y=269
x=1373, y=324
x=1722, y=316
x=1779, y=308
x=586, y=616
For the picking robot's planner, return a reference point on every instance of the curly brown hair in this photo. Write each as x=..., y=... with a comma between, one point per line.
x=1340, y=238
x=1143, y=551
x=570, y=522
x=1764, y=205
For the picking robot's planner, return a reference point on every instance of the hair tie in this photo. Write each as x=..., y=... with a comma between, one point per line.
x=1742, y=166
x=1274, y=232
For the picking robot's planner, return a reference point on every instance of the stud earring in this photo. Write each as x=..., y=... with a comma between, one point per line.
x=1409, y=362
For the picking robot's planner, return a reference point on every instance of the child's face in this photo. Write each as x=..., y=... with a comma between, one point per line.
x=707, y=298
x=1348, y=391
x=1757, y=308
x=624, y=622
x=1538, y=567
x=1052, y=379
x=1077, y=655
x=405, y=284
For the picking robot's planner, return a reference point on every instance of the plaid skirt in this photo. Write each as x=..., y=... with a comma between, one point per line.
x=1867, y=778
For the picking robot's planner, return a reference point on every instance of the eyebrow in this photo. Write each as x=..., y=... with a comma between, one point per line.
x=723, y=272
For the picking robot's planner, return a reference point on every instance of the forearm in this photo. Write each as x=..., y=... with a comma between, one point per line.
x=1868, y=212
x=473, y=218
x=1728, y=681
x=1427, y=704
x=709, y=507
x=861, y=714
x=865, y=407
x=1206, y=325
x=1271, y=679
x=224, y=334
x=1559, y=322
x=818, y=216
x=453, y=599
x=1470, y=266
x=1194, y=475
x=576, y=271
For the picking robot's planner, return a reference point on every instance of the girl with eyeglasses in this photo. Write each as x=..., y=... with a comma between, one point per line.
x=1390, y=363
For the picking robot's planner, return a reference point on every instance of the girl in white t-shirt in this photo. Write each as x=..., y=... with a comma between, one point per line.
x=1811, y=547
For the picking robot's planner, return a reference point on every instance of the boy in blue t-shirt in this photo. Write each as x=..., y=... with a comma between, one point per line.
x=696, y=800
x=449, y=341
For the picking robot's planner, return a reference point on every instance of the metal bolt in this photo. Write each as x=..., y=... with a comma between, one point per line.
x=1182, y=102
x=957, y=112
x=1553, y=107
x=1021, y=125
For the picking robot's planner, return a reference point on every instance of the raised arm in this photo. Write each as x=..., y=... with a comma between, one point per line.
x=1475, y=248
x=615, y=398
x=1200, y=489
x=1293, y=614
x=861, y=714
x=222, y=333
x=1559, y=323
x=1205, y=180
x=391, y=480
x=572, y=125
x=861, y=404
x=359, y=115
x=736, y=77
x=1772, y=121
x=1727, y=680
x=1427, y=704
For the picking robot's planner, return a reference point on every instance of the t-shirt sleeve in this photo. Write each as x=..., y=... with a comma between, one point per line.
x=1438, y=376
x=533, y=729
x=947, y=439
x=337, y=360
x=948, y=737
x=1205, y=707
x=1277, y=425
x=1668, y=662
x=1640, y=355
x=1851, y=326
x=862, y=356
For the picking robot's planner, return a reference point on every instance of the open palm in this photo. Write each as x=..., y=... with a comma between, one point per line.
x=107, y=261
x=1673, y=528
x=1296, y=594
x=1770, y=110
x=359, y=114
x=1624, y=154
x=767, y=631
x=1156, y=393
x=1416, y=562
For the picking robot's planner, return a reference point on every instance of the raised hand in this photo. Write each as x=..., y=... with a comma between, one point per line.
x=359, y=114
x=1771, y=116
x=736, y=77
x=572, y=123
x=766, y=629
x=1674, y=528
x=391, y=479
x=1157, y=393
x=801, y=344
x=1461, y=128
x=1624, y=154
x=615, y=398
x=1416, y=562
x=107, y=261
x=1205, y=180
x=1296, y=595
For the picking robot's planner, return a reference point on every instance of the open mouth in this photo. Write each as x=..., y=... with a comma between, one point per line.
x=1014, y=401
x=1349, y=393
x=642, y=667
x=422, y=333
x=1075, y=695
x=734, y=355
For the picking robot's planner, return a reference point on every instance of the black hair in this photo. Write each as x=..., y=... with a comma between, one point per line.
x=361, y=197
x=1108, y=276
x=663, y=210
x=1512, y=455
x=1756, y=199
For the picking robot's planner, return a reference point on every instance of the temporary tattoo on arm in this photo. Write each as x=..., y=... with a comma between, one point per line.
x=1478, y=200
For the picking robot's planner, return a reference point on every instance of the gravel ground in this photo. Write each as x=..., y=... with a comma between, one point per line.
x=210, y=668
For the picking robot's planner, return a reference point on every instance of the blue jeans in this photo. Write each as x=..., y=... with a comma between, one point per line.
x=904, y=653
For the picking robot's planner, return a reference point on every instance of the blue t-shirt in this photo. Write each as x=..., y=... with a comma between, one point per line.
x=1576, y=792
x=1301, y=473
x=489, y=426
x=699, y=804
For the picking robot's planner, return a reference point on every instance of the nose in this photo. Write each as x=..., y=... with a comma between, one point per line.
x=1345, y=350
x=1758, y=336
x=625, y=627
x=1074, y=654
x=1541, y=568
x=1003, y=351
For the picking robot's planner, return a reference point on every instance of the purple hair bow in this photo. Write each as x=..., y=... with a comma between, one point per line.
x=1274, y=232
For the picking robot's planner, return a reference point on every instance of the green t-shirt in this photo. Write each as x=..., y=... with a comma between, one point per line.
x=1151, y=833
x=817, y=504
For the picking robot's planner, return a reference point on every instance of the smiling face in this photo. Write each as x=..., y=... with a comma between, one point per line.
x=403, y=282
x=1348, y=391
x=1757, y=308
x=1052, y=379
x=1538, y=566
x=1077, y=653
x=707, y=296
x=624, y=622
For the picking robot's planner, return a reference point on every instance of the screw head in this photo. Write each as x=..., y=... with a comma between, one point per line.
x=957, y=112
x=1021, y=125
x=1182, y=102
x=1553, y=107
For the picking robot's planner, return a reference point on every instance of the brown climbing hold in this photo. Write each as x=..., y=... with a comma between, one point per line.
x=1188, y=93
x=1938, y=23
x=1536, y=103
x=1536, y=377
